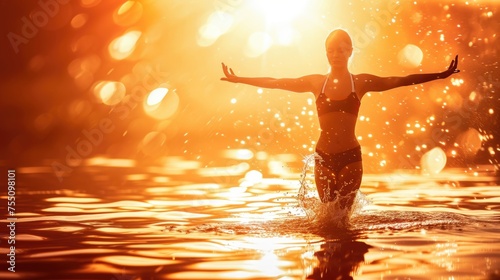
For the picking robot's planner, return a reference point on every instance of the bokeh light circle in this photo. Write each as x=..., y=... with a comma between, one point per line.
x=123, y=46
x=161, y=103
x=128, y=13
x=433, y=161
x=410, y=56
x=109, y=92
x=470, y=141
x=153, y=143
x=217, y=24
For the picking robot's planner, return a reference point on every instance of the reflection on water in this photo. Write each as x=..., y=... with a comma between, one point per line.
x=114, y=219
x=339, y=259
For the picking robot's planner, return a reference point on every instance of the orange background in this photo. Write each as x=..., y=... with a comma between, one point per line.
x=88, y=67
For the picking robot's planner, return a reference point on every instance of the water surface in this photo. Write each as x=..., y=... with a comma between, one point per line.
x=114, y=219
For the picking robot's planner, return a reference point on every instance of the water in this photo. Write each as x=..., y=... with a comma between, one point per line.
x=116, y=219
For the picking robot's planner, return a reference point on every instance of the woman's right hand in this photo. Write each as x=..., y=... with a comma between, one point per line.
x=228, y=72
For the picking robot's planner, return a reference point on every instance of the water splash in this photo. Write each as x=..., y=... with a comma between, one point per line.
x=324, y=215
x=307, y=195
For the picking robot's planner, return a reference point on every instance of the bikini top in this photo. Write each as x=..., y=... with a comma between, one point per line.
x=349, y=105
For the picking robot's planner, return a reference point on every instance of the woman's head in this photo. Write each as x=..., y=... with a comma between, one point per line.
x=338, y=48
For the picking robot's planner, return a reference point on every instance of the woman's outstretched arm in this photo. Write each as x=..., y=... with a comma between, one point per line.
x=375, y=83
x=301, y=84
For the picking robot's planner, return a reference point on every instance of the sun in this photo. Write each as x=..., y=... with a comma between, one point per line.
x=280, y=11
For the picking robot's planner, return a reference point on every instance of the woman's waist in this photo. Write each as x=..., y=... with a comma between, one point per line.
x=334, y=135
x=336, y=143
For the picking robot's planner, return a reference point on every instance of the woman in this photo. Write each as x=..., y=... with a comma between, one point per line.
x=338, y=169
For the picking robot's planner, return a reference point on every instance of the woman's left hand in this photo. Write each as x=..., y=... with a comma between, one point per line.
x=452, y=69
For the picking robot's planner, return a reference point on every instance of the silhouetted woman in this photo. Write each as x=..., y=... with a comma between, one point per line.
x=338, y=168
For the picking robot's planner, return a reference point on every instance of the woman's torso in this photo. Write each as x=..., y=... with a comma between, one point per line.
x=337, y=104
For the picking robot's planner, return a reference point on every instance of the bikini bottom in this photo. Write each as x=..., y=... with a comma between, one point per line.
x=330, y=190
x=336, y=162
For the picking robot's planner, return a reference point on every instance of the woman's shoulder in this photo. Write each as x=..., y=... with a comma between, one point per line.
x=315, y=77
x=362, y=82
x=364, y=77
x=315, y=81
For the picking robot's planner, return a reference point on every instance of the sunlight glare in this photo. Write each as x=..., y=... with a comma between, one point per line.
x=231, y=170
x=240, y=154
x=285, y=36
x=217, y=24
x=124, y=260
x=280, y=10
x=258, y=43
x=253, y=176
x=269, y=264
